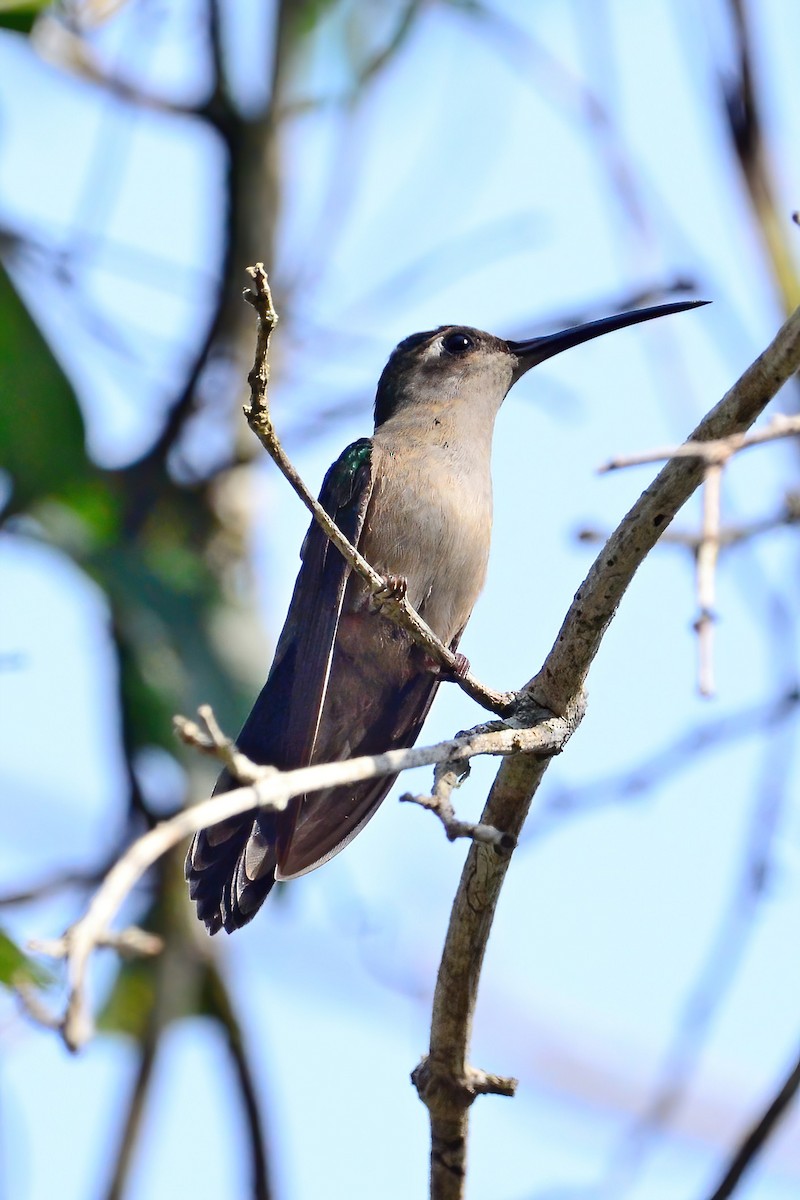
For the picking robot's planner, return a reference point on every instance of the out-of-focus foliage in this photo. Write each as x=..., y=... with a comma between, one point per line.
x=156, y=991
x=141, y=536
x=156, y=543
x=152, y=534
x=17, y=967
x=20, y=17
x=41, y=428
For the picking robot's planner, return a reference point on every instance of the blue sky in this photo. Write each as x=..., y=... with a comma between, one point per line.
x=607, y=919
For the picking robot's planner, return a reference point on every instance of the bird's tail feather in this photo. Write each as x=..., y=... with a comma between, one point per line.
x=230, y=867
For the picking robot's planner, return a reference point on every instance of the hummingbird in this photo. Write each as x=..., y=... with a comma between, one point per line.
x=416, y=500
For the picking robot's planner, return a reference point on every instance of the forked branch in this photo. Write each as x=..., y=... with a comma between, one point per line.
x=262, y=787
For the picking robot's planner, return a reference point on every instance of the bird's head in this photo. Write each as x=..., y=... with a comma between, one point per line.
x=459, y=364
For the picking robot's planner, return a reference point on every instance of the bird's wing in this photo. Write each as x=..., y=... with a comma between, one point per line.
x=330, y=820
x=283, y=728
x=231, y=866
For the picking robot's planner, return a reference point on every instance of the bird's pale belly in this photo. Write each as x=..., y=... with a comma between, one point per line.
x=440, y=547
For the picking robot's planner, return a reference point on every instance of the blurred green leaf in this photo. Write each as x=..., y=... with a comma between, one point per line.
x=20, y=16
x=150, y=993
x=129, y=1006
x=15, y=965
x=41, y=427
x=308, y=13
x=162, y=598
x=130, y=1003
x=148, y=707
x=96, y=504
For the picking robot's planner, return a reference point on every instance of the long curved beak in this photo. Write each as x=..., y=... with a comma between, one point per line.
x=535, y=350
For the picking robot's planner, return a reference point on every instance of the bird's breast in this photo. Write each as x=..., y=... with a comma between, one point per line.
x=429, y=520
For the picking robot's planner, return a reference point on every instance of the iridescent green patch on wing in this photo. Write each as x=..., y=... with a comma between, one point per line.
x=347, y=468
x=356, y=455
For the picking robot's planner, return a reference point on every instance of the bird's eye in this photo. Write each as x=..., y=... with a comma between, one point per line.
x=457, y=343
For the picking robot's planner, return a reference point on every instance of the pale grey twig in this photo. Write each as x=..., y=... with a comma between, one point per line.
x=395, y=608
x=265, y=788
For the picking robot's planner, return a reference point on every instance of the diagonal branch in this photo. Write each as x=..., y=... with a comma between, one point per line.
x=223, y=1010
x=599, y=596
x=756, y=1139
x=397, y=609
x=443, y=1078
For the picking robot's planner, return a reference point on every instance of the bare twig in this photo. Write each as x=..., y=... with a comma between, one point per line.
x=266, y=788
x=559, y=687
x=399, y=610
x=706, y=547
x=679, y=755
x=757, y=1138
x=715, y=454
x=147, y=1050
x=721, y=965
x=715, y=450
x=729, y=535
x=706, y=576
x=750, y=143
x=446, y=777
x=34, y=1007
x=222, y=1009
x=128, y=943
x=209, y=739
x=597, y=599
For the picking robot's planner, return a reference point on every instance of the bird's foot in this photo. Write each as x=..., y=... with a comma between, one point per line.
x=460, y=668
x=393, y=591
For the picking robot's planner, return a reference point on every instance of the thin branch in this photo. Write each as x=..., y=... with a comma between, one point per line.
x=222, y=1009
x=706, y=576
x=394, y=43
x=747, y=133
x=270, y=789
x=720, y=966
x=598, y=597
x=713, y=451
x=59, y=43
x=559, y=687
x=395, y=608
x=679, y=755
x=34, y=1007
x=56, y=883
x=756, y=1139
x=715, y=454
x=209, y=739
x=147, y=1049
x=128, y=943
x=446, y=777
x=729, y=535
